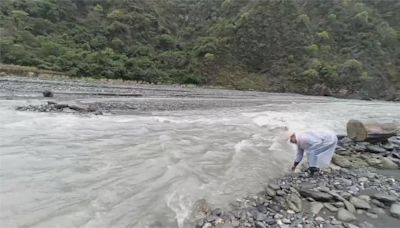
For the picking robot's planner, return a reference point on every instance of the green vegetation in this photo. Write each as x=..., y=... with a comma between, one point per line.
x=349, y=47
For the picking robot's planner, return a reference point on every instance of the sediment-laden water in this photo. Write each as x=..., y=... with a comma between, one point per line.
x=144, y=169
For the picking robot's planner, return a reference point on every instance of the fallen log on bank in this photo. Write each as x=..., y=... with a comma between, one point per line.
x=370, y=131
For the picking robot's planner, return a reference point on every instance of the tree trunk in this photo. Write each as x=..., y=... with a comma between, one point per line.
x=370, y=131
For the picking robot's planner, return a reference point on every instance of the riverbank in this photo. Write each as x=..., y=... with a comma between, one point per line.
x=103, y=97
x=29, y=74
x=360, y=189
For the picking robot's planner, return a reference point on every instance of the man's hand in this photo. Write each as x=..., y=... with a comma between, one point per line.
x=293, y=168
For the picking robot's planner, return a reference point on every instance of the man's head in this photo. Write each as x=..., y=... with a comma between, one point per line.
x=292, y=138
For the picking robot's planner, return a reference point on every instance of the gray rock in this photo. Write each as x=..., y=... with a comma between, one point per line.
x=319, y=219
x=341, y=161
x=207, y=225
x=286, y=221
x=200, y=209
x=217, y=212
x=375, y=149
x=346, y=181
x=388, y=146
x=294, y=202
x=349, y=206
x=48, y=93
x=259, y=225
x=366, y=225
x=360, y=212
x=316, y=207
x=274, y=187
x=319, y=196
x=363, y=179
x=345, y=215
x=395, y=210
x=330, y=207
x=270, y=221
x=260, y=216
x=378, y=211
x=384, y=198
x=371, y=215
x=280, y=193
x=378, y=203
x=387, y=163
x=235, y=223
x=338, y=204
x=270, y=192
x=349, y=225
x=365, y=197
x=327, y=225
x=359, y=203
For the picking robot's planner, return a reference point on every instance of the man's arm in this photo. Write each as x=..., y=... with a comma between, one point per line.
x=299, y=157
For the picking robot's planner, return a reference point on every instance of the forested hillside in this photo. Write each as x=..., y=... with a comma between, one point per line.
x=346, y=48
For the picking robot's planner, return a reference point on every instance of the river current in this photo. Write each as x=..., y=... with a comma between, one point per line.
x=146, y=170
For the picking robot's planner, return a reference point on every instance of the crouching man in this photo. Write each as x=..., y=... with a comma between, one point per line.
x=319, y=146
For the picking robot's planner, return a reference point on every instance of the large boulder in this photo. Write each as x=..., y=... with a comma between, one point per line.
x=294, y=202
x=384, y=198
x=359, y=203
x=316, y=207
x=345, y=215
x=387, y=163
x=341, y=161
x=316, y=195
x=395, y=210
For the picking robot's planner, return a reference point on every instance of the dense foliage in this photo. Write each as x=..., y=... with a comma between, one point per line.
x=339, y=47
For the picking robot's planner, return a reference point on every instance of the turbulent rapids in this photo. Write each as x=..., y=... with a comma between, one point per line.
x=148, y=166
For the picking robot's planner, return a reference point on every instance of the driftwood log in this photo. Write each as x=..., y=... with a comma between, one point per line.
x=370, y=131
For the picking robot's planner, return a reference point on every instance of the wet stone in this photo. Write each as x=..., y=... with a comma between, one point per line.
x=371, y=215
x=375, y=149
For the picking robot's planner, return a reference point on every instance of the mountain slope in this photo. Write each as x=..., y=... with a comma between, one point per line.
x=347, y=48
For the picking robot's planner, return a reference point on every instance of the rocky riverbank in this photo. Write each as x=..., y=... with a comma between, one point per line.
x=356, y=191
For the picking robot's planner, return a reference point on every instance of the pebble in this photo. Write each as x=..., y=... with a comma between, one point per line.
x=362, y=179
x=270, y=192
x=338, y=204
x=319, y=219
x=286, y=221
x=365, y=197
x=280, y=193
x=371, y=215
